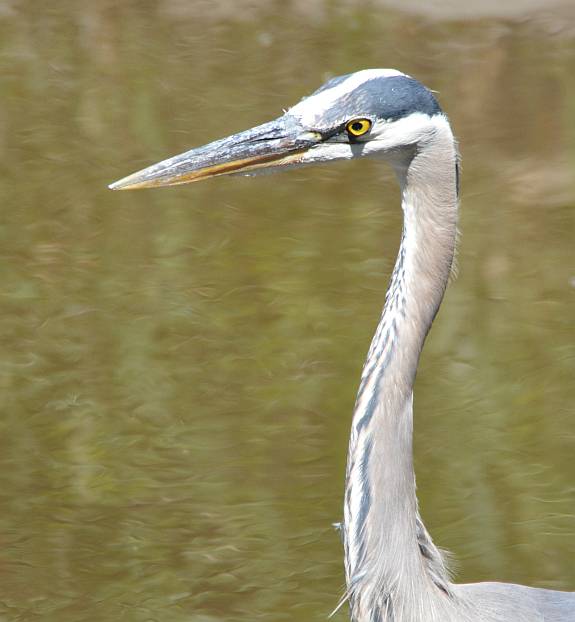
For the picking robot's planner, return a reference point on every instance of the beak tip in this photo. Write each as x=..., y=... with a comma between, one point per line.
x=117, y=185
x=126, y=183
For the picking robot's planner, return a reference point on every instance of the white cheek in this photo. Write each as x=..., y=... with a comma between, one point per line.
x=415, y=128
x=385, y=136
x=327, y=152
x=373, y=147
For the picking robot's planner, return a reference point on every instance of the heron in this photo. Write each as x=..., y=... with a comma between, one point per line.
x=394, y=571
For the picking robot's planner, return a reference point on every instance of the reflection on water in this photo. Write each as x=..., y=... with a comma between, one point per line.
x=179, y=366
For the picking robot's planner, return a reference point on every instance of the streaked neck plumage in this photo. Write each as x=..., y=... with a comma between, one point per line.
x=393, y=569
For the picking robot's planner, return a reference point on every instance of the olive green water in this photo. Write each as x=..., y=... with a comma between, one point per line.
x=178, y=367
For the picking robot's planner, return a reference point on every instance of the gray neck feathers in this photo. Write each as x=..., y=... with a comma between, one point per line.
x=393, y=569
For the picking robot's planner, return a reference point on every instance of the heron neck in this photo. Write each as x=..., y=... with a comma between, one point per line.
x=392, y=566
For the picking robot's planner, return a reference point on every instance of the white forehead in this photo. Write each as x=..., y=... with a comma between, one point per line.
x=313, y=106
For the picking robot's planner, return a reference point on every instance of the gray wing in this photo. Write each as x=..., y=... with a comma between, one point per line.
x=507, y=602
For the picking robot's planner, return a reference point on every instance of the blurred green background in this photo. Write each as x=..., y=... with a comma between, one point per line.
x=178, y=367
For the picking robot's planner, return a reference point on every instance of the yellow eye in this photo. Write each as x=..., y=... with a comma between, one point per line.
x=358, y=127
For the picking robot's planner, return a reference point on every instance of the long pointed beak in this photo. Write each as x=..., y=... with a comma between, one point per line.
x=276, y=144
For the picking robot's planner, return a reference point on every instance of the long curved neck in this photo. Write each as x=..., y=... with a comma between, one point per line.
x=393, y=570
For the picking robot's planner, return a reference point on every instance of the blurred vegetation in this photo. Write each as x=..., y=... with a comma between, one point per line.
x=178, y=367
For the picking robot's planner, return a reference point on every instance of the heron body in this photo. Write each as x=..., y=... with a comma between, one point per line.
x=394, y=572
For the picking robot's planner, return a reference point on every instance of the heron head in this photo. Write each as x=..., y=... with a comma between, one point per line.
x=368, y=113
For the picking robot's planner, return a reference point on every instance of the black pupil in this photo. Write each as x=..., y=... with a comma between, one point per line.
x=357, y=126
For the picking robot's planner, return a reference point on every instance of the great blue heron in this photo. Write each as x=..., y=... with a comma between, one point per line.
x=394, y=572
